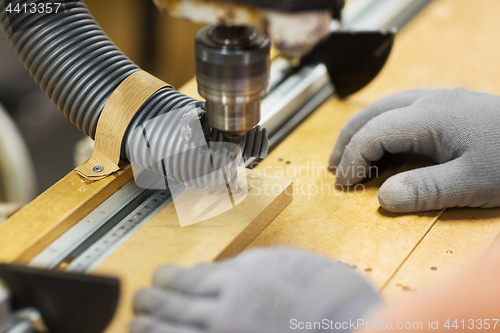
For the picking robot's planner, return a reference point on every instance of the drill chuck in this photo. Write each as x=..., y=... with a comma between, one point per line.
x=232, y=70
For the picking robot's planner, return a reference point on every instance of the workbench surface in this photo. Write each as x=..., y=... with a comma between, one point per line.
x=451, y=43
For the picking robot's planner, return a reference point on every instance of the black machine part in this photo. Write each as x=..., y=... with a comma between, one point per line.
x=67, y=302
x=296, y=5
x=353, y=58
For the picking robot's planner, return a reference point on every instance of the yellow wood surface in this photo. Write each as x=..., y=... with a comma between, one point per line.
x=52, y=213
x=451, y=43
x=458, y=238
x=163, y=240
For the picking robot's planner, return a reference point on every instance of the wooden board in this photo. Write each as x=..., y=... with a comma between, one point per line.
x=55, y=211
x=51, y=214
x=162, y=240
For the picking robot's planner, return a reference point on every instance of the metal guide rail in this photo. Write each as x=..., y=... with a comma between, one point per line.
x=294, y=95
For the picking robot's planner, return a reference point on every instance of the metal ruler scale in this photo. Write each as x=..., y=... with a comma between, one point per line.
x=100, y=250
x=91, y=240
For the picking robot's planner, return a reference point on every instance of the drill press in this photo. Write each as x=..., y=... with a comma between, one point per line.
x=232, y=70
x=233, y=55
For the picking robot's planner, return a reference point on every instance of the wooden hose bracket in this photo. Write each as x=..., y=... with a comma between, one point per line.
x=114, y=120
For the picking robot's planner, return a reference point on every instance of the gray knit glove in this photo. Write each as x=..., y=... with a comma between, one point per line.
x=457, y=128
x=264, y=290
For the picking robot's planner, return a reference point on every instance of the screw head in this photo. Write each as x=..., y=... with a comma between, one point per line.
x=98, y=168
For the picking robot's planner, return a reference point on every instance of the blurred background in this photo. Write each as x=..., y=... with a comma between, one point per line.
x=162, y=45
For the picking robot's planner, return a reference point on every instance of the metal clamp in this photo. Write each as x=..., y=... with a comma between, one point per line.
x=115, y=118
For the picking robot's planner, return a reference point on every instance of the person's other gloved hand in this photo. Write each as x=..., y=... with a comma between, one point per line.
x=261, y=290
x=458, y=128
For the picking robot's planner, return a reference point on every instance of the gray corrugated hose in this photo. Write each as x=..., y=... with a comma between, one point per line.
x=78, y=67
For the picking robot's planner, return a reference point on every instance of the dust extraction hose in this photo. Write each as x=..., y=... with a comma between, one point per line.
x=78, y=67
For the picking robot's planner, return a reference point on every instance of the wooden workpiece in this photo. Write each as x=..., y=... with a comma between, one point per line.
x=162, y=240
x=51, y=214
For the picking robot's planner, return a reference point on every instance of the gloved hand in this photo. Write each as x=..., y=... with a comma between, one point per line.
x=458, y=128
x=261, y=290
